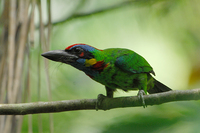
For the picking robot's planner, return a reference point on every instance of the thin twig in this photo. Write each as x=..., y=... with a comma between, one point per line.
x=11, y=46
x=32, y=23
x=89, y=104
x=81, y=15
x=51, y=127
x=41, y=37
x=11, y=58
x=3, y=78
x=20, y=54
x=17, y=92
x=4, y=21
x=31, y=40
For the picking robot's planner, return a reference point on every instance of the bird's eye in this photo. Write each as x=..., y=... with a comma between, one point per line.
x=77, y=50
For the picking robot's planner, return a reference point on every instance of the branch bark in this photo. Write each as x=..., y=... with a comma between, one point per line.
x=89, y=104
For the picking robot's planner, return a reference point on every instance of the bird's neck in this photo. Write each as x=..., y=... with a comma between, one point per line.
x=93, y=70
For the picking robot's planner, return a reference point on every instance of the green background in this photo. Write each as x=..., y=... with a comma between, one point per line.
x=165, y=32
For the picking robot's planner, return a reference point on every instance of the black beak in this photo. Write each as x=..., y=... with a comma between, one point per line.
x=60, y=56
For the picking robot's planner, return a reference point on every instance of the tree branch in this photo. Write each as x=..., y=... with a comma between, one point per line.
x=81, y=15
x=89, y=104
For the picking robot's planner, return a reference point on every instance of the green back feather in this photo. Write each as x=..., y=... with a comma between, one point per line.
x=125, y=59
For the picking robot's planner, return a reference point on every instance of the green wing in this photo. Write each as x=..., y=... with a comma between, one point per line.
x=132, y=62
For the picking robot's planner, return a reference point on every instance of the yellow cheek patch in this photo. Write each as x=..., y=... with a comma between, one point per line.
x=90, y=62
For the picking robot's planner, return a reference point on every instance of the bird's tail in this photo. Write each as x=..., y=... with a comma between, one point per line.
x=158, y=87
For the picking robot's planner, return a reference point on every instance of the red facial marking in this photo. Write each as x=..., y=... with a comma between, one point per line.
x=99, y=66
x=82, y=54
x=67, y=48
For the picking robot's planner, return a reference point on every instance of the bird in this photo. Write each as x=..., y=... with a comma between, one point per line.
x=115, y=68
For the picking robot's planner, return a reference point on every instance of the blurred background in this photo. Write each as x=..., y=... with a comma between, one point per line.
x=165, y=32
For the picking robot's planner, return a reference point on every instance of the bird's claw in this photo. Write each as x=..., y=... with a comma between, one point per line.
x=140, y=94
x=100, y=98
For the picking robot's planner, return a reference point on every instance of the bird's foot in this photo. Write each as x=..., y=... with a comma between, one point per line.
x=140, y=94
x=100, y=99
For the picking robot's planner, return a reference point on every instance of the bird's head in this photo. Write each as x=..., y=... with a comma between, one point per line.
x=81, y=56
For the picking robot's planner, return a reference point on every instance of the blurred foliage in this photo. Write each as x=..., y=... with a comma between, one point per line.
x=167, y=121
x=165, y=32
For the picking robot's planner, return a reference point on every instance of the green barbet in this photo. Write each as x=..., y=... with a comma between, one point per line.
x=116, y=68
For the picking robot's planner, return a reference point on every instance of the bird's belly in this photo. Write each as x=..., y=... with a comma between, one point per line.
x=119, y=79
